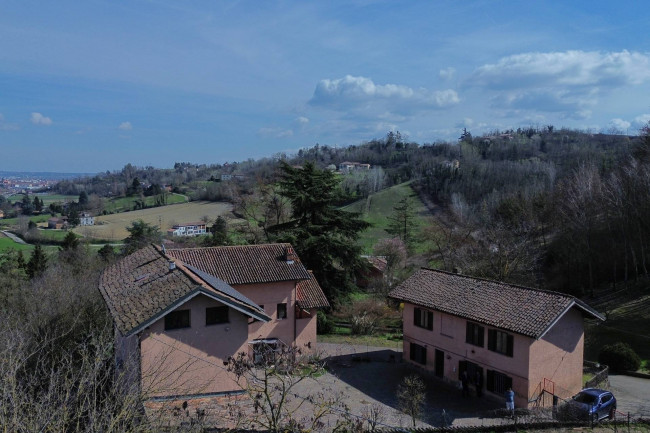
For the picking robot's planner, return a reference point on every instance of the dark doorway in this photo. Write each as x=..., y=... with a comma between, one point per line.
x=440, y=363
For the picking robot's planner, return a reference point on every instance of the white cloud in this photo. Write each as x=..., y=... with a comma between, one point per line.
x=302, y=120
x=5, y=126
x=350, y=93
x=569, y=68
x=620, y=124
x=125, y=126
x=640, y=121
x=39, y=119
x=569, y=82
x=447, y=73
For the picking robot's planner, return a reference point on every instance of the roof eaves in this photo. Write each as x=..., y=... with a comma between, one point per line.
x=199, y=290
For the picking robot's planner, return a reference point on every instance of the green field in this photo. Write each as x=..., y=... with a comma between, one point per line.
x=8, y=244
x=47, y=198
x=376, y=210
x=11, y=222
x=125, y=204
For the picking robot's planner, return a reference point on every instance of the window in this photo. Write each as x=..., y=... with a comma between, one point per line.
x=498, y=382
x=423, y=318
x=500, y=342
x=177, y=319
x=418, y=354
x=475, y=334
x=216, y=315
x=282, y=311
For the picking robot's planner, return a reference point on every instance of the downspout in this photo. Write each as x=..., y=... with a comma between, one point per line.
x=295, y=332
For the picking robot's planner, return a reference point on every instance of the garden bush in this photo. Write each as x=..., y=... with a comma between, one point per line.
x=323, y=323
x=619, y=357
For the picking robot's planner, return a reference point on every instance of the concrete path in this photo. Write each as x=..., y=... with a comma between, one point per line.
x=13, y=237
x=632, y=395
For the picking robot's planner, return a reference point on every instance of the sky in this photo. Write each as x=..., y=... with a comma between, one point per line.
x=89, y=86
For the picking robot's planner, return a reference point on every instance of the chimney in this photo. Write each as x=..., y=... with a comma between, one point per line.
x=289, y=255
x=172, y=265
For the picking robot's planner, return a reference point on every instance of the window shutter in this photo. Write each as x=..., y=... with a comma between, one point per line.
x=492, y=339
x=416, y=317
x=510, y=345
x=468, y=333
x=490, y=380
x=481, y=336
x=430, y=320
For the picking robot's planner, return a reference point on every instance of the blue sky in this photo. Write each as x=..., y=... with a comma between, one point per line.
x=92, y=85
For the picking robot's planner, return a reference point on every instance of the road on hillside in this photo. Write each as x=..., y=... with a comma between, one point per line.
x=14, y=238
x=632, y=395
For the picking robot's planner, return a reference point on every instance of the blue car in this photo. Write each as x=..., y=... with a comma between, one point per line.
x=590, y=404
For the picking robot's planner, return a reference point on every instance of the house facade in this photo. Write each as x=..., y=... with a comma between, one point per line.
x=180, y=314
x=506, y=335
x=188, y=229
x=86, y=219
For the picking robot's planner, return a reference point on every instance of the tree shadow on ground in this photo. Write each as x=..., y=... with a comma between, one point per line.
x=378, y=373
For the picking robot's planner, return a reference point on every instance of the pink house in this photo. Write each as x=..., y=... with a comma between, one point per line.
x=181, y=313
x=501, y=334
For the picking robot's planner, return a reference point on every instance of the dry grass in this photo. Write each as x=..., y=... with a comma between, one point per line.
x=113, y=227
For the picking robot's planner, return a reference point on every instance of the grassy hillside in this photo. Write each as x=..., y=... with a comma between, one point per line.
x=377, y=208
x=125, y=204
x=628, y=320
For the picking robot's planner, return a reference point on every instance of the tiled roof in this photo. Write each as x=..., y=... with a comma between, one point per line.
x=310, y=295
x=518, y=309
x=378, y=262
x=247, y=264
x=141, y=287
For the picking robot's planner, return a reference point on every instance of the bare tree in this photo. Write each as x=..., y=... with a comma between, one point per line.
x=271, y=378
x=411, y=394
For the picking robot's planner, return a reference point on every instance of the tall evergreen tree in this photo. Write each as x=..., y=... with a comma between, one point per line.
x=324, y=236
x=37, y=262
x=140, y=235
x=402, y=221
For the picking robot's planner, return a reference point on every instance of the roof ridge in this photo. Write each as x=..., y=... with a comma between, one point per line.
x=229, y=246
x=503, y=283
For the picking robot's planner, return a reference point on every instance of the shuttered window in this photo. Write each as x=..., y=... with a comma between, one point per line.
x=500, y=342
x=423, y=318
x=475, y=334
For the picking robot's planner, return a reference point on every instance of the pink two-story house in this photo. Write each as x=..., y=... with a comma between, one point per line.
x=501, y=335
x=180, y=314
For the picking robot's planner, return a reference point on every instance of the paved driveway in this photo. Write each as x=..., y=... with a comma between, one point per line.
x=632, y=395
x=365, y=376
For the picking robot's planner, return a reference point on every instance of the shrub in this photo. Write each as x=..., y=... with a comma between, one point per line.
x=363, y=324
x=323, y=323
x=619, y=357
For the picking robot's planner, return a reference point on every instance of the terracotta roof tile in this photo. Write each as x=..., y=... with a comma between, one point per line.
x=247, y=264
x=141, y=286
x=310, y=295
x=518, y=309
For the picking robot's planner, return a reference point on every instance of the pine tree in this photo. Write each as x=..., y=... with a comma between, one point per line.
x=37, y=262
x=324, y=236
x=402, y=221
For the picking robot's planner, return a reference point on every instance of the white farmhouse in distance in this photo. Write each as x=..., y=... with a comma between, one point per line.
x=85, y=219
x=188, y=229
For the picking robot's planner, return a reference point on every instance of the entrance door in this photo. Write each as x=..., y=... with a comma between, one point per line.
x=440, y=363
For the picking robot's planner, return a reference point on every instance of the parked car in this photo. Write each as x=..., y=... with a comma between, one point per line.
x=590, y=404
